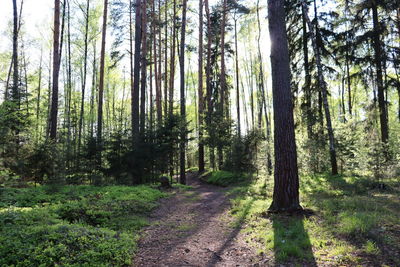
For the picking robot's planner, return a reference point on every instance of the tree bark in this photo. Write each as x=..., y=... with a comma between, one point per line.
x=85, y=56
x=182, y=176
x=172, y=62
x=222, y=78
x=136, y=75
x=286, y=179
x=56, y=70
x=379, y=79
x=200, y=89
x=101, y=83
x=143, y=70
x=307, y=82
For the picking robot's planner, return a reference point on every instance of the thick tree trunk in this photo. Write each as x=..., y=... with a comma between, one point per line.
x=379, y=79
x=322, y=84
x=182, y=176
x=286, y=179
x=56, y=69
x=101, y=83
x=200, y=89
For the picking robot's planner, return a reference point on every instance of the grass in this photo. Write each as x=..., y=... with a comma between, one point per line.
x=223, y=178
x=73, y=225
x=354, y=223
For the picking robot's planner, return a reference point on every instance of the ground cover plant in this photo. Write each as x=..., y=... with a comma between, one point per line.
x=348, y=221
x=74, y=225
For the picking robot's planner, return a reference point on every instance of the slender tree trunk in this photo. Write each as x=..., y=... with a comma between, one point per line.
x=222, y=78
x=56, y=70
x=208, y=79
x=166, y=59
x=101, y=84
x=38, y=97
x=172, y=62
x=182, y=176
x=237, y=80
x=322, y=84
x=85, y=56
x=93, y=92
x=136, y=75
x=200, y=89
x=307, y=82
x=15, y=87
x=379, y=79
x=143, y=70
x=286, y=179
x=157, y=70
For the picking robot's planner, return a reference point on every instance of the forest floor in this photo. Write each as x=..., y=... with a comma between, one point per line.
x=195, y=228
x=353, y=223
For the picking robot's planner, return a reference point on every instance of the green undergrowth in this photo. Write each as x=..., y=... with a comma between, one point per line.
x=73, y=225
x=353, y=222
x=223, y=178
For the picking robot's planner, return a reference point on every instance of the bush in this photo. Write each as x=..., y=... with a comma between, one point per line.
x=74, y=226
x=224, y=178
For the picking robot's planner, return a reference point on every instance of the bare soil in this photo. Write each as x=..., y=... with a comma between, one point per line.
x=194, y=228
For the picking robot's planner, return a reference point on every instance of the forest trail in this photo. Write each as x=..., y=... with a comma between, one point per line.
x=194, y=228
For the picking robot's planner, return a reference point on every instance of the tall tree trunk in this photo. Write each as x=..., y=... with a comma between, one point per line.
x=322, y=85
x=56, y=70
x=85, y=56
x=157, y=70
x=136, y=74
x=222, y=78
x=263, y=102
x=286, y=178
x=101, y=84
x=143, y=70
x=200, y=89
x=15, y=87
x=208, y=78
x=172, y=62
x=307, y=82
x=182, y=176
x=379, y=79
x=39, y=97
x=166, y=59
x=237, y=80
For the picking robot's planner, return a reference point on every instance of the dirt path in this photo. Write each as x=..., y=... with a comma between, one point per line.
x=194, y=228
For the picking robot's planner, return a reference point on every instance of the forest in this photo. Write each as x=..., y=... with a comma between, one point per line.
x=200, y=133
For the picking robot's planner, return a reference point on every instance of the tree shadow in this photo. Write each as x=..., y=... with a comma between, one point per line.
x=291, y=240
x=232, y=235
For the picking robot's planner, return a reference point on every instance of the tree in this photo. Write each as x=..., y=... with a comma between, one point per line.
x=322, y=84
x=56, y=70
x=101, y=82
x=286, y=178
x=182, y=176
x=136, y=74
x=200, y=89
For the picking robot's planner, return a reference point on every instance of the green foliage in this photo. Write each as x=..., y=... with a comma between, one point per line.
x=224, y=178
x=241, y=155
x=74, y=226
x=351, y=217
